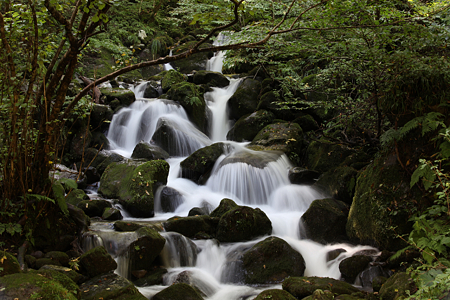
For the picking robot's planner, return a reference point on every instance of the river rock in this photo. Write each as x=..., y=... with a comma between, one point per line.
x=125, y=96
x=248, y=126
x=76, y=196
x=9, y=264
x=94, y=208
x=126, y=226
x=145, y=249
x=134, y=184
x=275, y=295
x=198, y=165
x=190, y=97
x=301, y=287
x=170, y=199
x=271, y=261
x=181, y=251
x=192, y=227
x=101, y=115
x=339, y=183
x=324, y=155
x=245, y=99
x=110, y=286
x=149, y=152
x=96, y=261
x=152, y=277
x=243, y=223
x=396, y=286
x=171, y=78
x=92, y=175
x=300, y=175
x=151, y=90
x=224, y=206
x=113, y=157
x=212, y=79
x=112, y=214
x=178, y=291
x=325, y=221
x=352, y=266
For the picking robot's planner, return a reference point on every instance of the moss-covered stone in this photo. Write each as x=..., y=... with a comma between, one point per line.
x=96, y=261
x=125, y=96
x=145, y=249
x=178, y=291
x=149, y=152
x=126, y=226
x=212, y=79
x=73, y=275
x=63, y=278
x=323, y=156
x=152, y=277
x=325, y=221
x=301, y=287
x=352, y=266
x=248, y=126
x=76, y=196
x=271, y=261
x=307, y=123
x=396, y=287
x=40, y=262
x=112, y=214
x=193, y=226
x=275, y=295
x=171, y=78
x=243, y=223
x=134, y=184
x=245, y=100
x=59, y=256
x=9, y=264
x=197, y=166
x=94, y=208
x=339, y=183
x=224, y=206
x=100, y=117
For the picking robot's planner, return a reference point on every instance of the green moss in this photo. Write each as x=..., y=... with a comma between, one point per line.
x=8, y=264
x=275, y=295
x=171, y=78
x=224, y=206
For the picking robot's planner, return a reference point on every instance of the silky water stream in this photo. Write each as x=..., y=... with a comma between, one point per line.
x=263, y=184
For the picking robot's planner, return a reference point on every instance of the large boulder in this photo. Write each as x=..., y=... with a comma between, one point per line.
x=145, y=249
x=149, y=152
x=396, y=287
x=339, y=183
x=169, y=199
x=9, y=264
x=300, y=175
x=96, y=261
x=382, y=187
x=271, y=261
x=110, y=286
x=224, y=206
x=212, y=79
x=245, y=99
x=101, y=116
x=125, y=96
x=324, y=155
x=192, y=227
x=353, y=265
x=325, y=221
x=243, y=223
x=191, y=98
x=301, y=287
x=134, y=184
x=198, y=165
x=248, y=126
x=178, y=291
x=171, y=78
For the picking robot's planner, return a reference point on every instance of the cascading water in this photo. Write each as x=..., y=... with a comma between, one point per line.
x=251, y=178
x=215, y=64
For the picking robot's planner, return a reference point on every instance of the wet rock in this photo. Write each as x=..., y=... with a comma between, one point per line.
x=110, y=286
x=179, y=251
x=151, y=90
x=59, y=256
x=333, y=254
x=125, y=96
x=96, y=261
x=101, y=116
x=352, y=266
x=94, y=208
x=152, y=277
x=248, y=126
x=126, y=226
x=170, y=199
x=149, y=152
x=171, y=78
x=76, y=196
x=212, y=79
x=271, y=261
x=9, y=264
x=339, y=183
x=323, y=155
x=92, y=176
x=192, y=226
x=245, y=99
x=300, y=175
x=367, y=277
x=134, y=184
x=112, y=214
x=224, y=206
x=396, y=286
x=275, y=295
x=113, y=157
x=301, y=287
x=198, y=211
x=199, y=164
x=243, y=223
x=178, y=291
x=145, y=249
x=81, y=220
x=202, y=288
x=325, y=221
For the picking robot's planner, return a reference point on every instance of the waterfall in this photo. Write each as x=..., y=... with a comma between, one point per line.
x=168, y=66
x=215, y=64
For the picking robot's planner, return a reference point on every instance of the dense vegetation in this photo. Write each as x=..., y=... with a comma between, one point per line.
x=379, y=67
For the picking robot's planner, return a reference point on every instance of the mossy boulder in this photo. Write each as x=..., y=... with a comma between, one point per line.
x=94, y=208
x=271, y=261
x=212, y=79
x=245, y=100
x=306, y=122
x=9, y=264
x=112, y=214
x=171, y=78
x=224, y=206
x=301, y=287
x=339, y=183
x=73, y=275
x=382, y=188
x=76, y=196
x=145, y=249
x=134, y=184
x=100, y=116
x=198, y=165
x=44, y=261
x=248, y=126
x=96, y=261
x=152, y=90
x=125, y=96
x=152, y=277
x=170, y=199
x=396, y=287
x=126, y=226
x=191, y=98
x=324, y=155
x=38, y=285
x=192, y=227
x=92, y=175
x=325, y=221
x=243, y=223
x=110, y=286
x=59, y=256
x=353, y=265
x=178, y=291
x=300, y=175
x=114, y=157
x=149, y=152
x=275, y=295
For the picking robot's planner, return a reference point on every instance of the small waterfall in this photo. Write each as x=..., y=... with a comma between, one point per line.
x=215, y=64
x=168, y=66
x=179, y=251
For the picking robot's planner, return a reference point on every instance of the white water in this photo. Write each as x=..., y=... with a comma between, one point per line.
x=252, y=178
x=215, y=64
x=168, y=66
